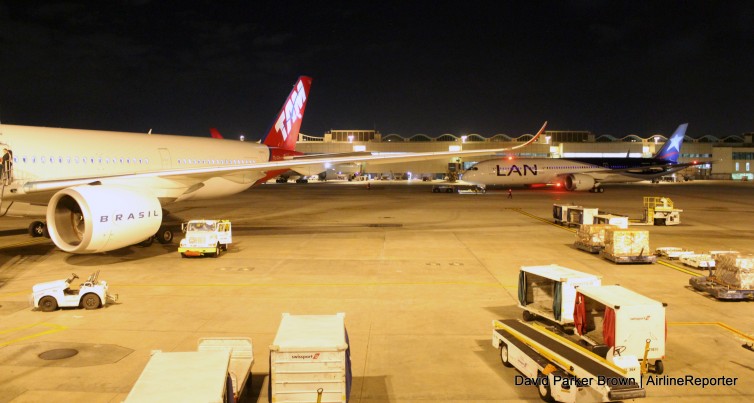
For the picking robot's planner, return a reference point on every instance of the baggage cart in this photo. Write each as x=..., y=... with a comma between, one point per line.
x=614, y=318
x=549, y=291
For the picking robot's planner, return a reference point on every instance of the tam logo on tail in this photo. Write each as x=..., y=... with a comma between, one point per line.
x=292, y=111
x=284, y=132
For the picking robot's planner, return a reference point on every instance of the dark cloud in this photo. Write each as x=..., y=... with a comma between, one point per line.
x=402, y=67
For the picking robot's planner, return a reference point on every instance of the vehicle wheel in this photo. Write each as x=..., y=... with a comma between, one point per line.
x=544, y=388
x=659, y=221
x=224, y=247
x=528, y=316
x=91, y=301
x=37, y=229
x=48, y=304
x=164, y=235
x=504, y=355
x=659, y=367
x=217, y=251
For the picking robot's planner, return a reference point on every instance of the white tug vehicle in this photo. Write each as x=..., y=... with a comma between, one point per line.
x=56, y=294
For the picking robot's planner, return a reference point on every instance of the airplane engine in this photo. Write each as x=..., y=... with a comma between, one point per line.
x=578, y=182
x=91, y=219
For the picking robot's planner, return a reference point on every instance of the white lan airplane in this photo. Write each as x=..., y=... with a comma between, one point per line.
x=580, y=174
x=101, y=191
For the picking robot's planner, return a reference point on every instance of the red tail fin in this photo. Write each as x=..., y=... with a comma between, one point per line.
x=215, y=134
x=284, y=131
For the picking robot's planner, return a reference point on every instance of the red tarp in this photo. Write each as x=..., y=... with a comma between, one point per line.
x=608, y=327
x=579, y=315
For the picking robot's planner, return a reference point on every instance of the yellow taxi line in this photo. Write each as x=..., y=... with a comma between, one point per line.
x=719, y=324
x=52, y=329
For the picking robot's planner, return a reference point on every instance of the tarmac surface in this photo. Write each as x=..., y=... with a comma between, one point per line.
x=419, y=275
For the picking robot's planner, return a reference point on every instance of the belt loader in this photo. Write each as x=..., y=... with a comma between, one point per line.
x=561, y=370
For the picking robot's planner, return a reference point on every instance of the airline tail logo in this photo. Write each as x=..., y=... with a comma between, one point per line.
x=292, y=111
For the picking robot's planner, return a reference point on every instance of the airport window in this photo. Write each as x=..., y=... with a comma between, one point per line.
x=747, y=167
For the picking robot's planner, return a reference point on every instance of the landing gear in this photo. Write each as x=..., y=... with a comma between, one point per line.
x=164, y=235
x=597, y=189
x=38, y=229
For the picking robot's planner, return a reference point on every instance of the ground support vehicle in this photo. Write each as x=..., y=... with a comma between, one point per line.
x=52, y=295
x=549, y=292
x=443, y=188
x=217, y=372
x=310, y=360
x=715, y=288
x=562, y=370
x=611, y=317
x=698, y=260
x=660, y=211
x=205, y=237
x=560, y=212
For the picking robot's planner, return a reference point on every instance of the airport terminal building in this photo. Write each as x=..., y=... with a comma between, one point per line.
x=733, y=155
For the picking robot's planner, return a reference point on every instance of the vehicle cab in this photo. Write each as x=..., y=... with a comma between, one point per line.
x=205, y=237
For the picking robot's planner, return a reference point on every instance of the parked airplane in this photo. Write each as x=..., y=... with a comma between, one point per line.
x=579, y=173
x=101, y=191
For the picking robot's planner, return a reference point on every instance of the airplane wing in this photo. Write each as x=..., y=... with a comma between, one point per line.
x=649, y=169
x=209, y=172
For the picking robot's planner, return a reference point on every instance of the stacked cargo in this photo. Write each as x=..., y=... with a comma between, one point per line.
x=733, y=278
x=736, y=271
x=591, y=238
x=627, y=246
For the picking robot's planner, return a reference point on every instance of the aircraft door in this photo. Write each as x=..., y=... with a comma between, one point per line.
x=165, y=158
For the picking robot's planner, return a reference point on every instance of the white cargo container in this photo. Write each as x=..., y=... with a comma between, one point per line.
x=550, y=291
x=218, y=373
x=581, y=215
x=560, y=212
x=612, y=317
x=619, y=221
x=310, y=360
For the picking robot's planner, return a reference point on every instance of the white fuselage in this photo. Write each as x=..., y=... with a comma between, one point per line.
x=44, y=154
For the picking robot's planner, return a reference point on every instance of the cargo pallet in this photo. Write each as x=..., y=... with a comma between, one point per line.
x=718, y=290
x=588, y=248
x=627, y=259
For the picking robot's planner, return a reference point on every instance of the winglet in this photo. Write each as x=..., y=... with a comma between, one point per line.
x=533, y=139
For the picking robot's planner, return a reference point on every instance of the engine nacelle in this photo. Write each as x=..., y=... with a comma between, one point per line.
x=91, y=219
x=578, y=182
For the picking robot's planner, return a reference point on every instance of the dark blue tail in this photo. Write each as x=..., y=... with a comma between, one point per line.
x=672, y=148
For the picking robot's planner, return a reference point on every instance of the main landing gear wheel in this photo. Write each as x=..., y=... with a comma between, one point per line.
x=528, y=316
x=504, y=355
x=37, y=229
x=164, y=235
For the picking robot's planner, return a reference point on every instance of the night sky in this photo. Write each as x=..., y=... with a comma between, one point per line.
x=401, y=67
